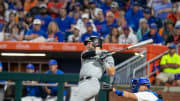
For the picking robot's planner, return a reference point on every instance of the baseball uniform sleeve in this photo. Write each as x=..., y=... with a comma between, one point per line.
x=146, y=96
x=108, y=62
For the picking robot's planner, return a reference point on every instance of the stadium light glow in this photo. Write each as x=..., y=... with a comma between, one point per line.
x=23, y=54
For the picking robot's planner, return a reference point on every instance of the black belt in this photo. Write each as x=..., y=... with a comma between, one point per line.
x=85, y=78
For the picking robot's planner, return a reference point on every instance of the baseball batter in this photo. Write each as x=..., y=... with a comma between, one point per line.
x=94, y=62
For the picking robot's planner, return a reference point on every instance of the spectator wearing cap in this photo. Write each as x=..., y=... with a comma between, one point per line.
x=177, y=79
x=153, y=34
x=64, y=22
x=44, y=17
x=167, y=30
x=89, y=32
x=100, y=20
x=143, y=28
x=174, y=15
x=75, y=36
x=162, y=9
x=151, y=19
x=127, y=37
x=36, y=32
x=106, y=6
x=113, y=36
x=52, y=91
x=110, y=22
x=175, y=38
x=54, y=33
x=32, y=92
x=81, y=23
x=93, y=9
x=28, y=22
x=170, y=65
x=136, y=13
x=15, y=34
x=53, y=8
x=114, y=9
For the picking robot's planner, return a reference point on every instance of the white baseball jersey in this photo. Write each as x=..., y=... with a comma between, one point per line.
x=94, y=68
x=146, y=96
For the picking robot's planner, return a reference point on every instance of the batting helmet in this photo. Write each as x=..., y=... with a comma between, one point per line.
x=135, y=83
x=97, y=42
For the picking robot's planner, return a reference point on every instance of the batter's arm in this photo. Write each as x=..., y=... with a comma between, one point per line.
x=110, y=71
x=108, y=64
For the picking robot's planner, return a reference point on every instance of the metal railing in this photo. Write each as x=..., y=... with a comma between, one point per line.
x=143, y=66
x=18, y=78
x=124, y=70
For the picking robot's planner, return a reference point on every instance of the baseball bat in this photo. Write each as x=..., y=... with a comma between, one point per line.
x=135, y=45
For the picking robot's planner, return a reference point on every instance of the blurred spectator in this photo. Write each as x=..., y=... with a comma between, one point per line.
x=44, y=17
x=64, y=22
x=106, y=6
x=28, y=22
x=85, y=4
x=167, y=30
x=75, y=36
x=29, y=4
x=15, y=34
x=136, y=13
x=109, y=24
x=93, y=9
x=89, y=32
x=54, y=33
x=36, y=33
x=144, y=28
x=177, y=79
x=20, y=15
x=99, y=21
x=153, y=34
x=81, y=23
x=71, y=5
x=2, y=14
x=170, y=65
x=127, y=37
x=5, y=3
x=18, y=5
x=12, y=21
x=52, y=91
x=113, y=36
x=151, y=19
x=175, y=14
x=175, y=38
x=53, y=7
x=33, y=92
x=121, y=20
x=153, y=3
x=162, y=9
x=114, y=9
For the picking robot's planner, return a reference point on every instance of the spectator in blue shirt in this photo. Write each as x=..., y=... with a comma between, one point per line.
x=45, y=19
x=54, y=34
x=133, y=15
x=99, y=21
x=106, y=6
x=33, y=92
x=153, y=34
x=109, y=24
x=64, y=22
x=52, y=91
x=89, y=32
x=36, y=31
x=162, y=9
x=151, y=19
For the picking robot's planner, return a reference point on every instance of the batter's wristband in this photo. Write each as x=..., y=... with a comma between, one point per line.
x=120, y=93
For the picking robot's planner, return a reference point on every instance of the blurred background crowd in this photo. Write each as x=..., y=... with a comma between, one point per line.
x=116, y=21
